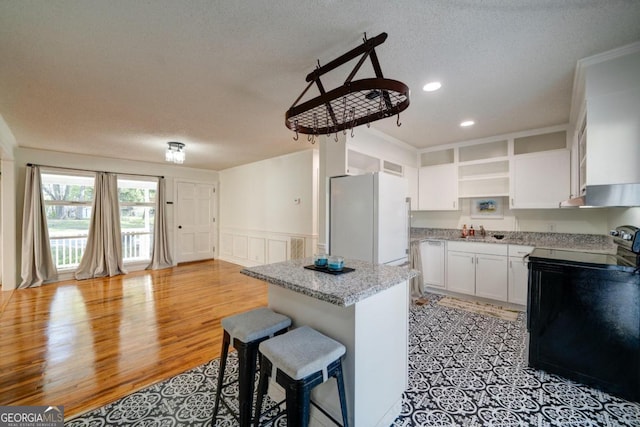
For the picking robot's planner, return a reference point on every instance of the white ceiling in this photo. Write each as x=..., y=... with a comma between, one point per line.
x=120, y=78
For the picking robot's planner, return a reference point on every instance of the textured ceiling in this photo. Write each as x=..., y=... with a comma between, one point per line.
x=120, y=78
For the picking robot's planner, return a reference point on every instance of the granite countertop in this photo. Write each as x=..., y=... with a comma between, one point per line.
x=344, y=290
x=576, y=242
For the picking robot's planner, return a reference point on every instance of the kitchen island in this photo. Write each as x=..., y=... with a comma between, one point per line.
x=367, y=311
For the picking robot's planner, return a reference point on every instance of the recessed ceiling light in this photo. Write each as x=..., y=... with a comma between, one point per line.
x=467, y=123
x=431, y=86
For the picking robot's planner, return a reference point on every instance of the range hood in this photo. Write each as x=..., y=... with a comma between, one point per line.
x=610, y=195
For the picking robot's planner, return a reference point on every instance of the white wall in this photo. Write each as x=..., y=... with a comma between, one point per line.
x=570, y=220
x=623, y=216
x=264, y=204
x=69, y=160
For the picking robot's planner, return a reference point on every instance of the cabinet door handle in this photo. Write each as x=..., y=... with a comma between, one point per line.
x=512, y=201
x=510, y=264
x=454, y=205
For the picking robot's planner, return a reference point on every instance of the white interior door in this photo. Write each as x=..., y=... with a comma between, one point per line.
x=196, y=221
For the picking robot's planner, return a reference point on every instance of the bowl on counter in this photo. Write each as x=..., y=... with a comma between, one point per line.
x=498, y=236
x=320, y=260
x=335, y=263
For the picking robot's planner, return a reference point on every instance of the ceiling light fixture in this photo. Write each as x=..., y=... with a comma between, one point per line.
x=175, y=152
x=355, y=103
x=431, y=86
x=467, y=123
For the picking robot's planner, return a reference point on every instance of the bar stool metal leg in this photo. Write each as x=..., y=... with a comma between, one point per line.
x=223, y=364
x=263, y=385
x=247, y=356
x=341, y=394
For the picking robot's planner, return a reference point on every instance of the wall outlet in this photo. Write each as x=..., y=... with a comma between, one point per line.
x=551, y=227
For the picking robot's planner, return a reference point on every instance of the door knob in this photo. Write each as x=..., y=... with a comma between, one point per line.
x=179, y=226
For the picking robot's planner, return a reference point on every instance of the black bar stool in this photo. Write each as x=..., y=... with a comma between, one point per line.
x=300, y=360
x=245, y=331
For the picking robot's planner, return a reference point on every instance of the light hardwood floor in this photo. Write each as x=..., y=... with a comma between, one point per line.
x=83, y=344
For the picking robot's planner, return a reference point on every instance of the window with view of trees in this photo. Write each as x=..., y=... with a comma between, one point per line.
x=68, y=199
x=137, y=215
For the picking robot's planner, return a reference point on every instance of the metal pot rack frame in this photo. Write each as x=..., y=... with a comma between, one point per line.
x=354, y=103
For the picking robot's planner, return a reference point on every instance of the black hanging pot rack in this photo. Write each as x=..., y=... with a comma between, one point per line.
x=355, y=103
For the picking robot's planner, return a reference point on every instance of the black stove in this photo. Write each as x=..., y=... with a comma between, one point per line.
x=627, y=258
x=583, y=314
x=585, y=259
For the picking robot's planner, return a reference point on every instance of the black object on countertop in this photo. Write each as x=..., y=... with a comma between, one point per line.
x=326, y=269
x=584, y=319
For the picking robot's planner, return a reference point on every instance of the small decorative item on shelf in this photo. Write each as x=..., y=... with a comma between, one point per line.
x=336, y=263
x=320, y=260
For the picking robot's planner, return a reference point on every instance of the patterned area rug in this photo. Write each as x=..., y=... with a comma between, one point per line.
x=480, y=308
x=465, y=369
x=184, y=400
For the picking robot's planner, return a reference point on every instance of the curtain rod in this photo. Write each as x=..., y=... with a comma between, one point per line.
x=92, y=170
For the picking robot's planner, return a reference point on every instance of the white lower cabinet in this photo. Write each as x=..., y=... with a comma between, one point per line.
x=478, y=269
x=432, y=255
x=491, y=276
x=518, y=274
x=461, y=272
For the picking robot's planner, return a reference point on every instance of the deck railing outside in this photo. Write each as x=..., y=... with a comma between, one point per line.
x=67, y=251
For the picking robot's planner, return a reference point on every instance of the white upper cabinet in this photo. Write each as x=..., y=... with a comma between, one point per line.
x=438, y=181
x=540, y=180
x=438, y=188
x=613, y=125
x=607, y=93
x=532, y=168
x=541, y=171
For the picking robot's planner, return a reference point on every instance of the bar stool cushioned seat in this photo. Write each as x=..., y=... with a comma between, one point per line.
x=300, y=360
x=245, y=331
x=255, y=324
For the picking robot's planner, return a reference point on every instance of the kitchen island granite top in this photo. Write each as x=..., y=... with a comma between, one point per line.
x=343, y=290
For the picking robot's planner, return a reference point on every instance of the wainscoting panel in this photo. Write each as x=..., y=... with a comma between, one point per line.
x=256, y=249
x=277, y=250
x=249, y=247
x=226, y=244
x=240, y=247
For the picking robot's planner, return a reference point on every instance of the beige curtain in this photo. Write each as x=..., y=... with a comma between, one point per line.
x=103, y=254
x=37, y=263
x=161, y=256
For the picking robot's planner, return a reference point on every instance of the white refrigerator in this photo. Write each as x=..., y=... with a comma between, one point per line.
x=369, y=218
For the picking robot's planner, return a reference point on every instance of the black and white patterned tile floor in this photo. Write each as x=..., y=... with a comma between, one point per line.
x=465, y=369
